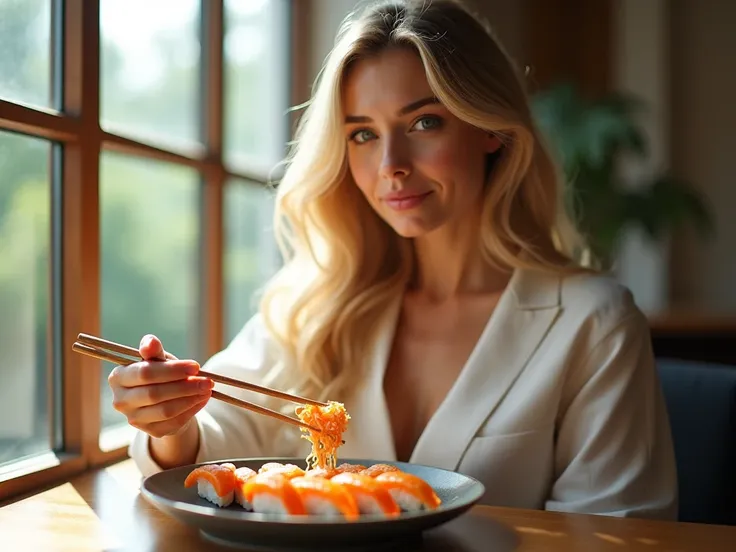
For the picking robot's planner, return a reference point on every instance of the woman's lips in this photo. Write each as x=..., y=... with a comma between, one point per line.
x=404, y=202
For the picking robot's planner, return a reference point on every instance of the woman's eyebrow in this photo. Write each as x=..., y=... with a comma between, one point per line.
x=413, y=106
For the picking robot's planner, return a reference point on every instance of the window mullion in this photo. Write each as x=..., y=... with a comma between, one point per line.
x=213, y=179
x=80, y=227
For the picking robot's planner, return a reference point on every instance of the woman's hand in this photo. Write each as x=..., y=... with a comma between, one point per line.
x=157, y=396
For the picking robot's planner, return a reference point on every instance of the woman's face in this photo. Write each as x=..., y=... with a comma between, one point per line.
x=419, y=166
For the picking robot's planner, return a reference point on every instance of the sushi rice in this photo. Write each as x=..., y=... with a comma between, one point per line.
x=208, y=492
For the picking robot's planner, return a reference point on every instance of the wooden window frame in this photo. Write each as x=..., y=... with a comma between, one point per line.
x=77, y=129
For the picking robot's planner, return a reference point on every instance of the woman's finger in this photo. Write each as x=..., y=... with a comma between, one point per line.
x=151, y=372
x=170, y=427
x=151, y=348
x=165, y=411
x=130, y=399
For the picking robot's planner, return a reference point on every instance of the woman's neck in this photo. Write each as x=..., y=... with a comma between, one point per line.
x=449, y=263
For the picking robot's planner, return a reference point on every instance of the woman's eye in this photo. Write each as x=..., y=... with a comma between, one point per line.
x=362, y=136
x=428, y=123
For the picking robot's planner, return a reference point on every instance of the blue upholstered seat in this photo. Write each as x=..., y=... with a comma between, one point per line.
x=701, y=400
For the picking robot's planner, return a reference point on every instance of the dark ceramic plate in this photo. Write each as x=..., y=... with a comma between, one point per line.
x=235, y=526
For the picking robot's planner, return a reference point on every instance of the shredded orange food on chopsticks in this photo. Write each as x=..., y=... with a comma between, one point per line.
x=332, y=420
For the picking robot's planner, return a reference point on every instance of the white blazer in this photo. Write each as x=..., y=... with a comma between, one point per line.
x=559, y=406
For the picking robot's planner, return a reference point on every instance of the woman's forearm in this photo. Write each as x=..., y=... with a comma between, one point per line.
x=176, y=450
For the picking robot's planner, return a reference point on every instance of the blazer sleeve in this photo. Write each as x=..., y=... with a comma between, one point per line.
x=228, y=431
x=614, y=453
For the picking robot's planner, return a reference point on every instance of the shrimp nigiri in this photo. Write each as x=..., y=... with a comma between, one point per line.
x=370, y=495
x=215, y=483
x=410, y=492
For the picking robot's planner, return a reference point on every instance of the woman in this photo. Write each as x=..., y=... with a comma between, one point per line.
x=429, y=285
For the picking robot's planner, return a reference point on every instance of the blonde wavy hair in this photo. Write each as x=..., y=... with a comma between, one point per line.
x=343, y=265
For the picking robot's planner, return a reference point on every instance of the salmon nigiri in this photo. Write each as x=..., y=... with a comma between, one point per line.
x=410, y=492
x=290, y=471
x=215, y=483
x=349, y=468
x=242, y=475
x=329, y=473
x=272, y=493
x=323, y=497
x=377, y=469
x=370, y=495
x=324, y=473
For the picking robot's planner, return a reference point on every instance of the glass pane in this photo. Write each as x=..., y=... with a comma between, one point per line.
x=256, y=82
x=25, y=45
x=251, y=255
x=149, y=64
x=150, y=227
x=25, y=227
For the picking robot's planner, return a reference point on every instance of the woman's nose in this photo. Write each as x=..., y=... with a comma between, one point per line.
x=396, y=161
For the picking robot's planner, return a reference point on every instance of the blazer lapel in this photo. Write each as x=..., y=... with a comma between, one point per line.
x=522, y=318
x=369, y=434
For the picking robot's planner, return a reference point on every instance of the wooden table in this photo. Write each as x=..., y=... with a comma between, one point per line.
x=103, y=511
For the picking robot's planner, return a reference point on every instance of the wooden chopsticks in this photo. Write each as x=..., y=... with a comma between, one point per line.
x=122, y=354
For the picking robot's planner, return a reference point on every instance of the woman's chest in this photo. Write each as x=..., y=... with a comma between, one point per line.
x=429, y=351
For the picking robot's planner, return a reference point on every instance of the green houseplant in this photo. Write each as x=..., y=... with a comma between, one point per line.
x=590, y=137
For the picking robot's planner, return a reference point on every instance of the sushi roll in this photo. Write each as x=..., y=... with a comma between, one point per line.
x=290, y=471
x=272, y=493
x=410, y=492
x=377, y=469
x=370, y=495
x=322, y=497
x=215, y=483
x=242, y=475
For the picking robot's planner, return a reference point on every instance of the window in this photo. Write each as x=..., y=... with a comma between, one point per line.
x=150, y=65
x=149, y=259
x=25, y=51
x=26, y=420
x=250, y=251
x=137, y=148
x=255, y=124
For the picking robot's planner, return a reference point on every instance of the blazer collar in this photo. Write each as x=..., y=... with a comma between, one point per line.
x=524, y=314
x=522, y=318
x=536, y=289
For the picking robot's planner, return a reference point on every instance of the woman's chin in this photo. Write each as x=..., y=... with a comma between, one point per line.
x=413, y=229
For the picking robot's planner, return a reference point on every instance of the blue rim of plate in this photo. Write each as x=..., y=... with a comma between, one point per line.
x=236, y=513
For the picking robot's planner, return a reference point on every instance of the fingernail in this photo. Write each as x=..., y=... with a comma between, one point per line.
x=205, y=385
x=192, y=369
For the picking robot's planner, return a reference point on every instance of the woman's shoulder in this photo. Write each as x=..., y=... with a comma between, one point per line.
x=596, y=292
x=599, y=301
x=589, y=298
